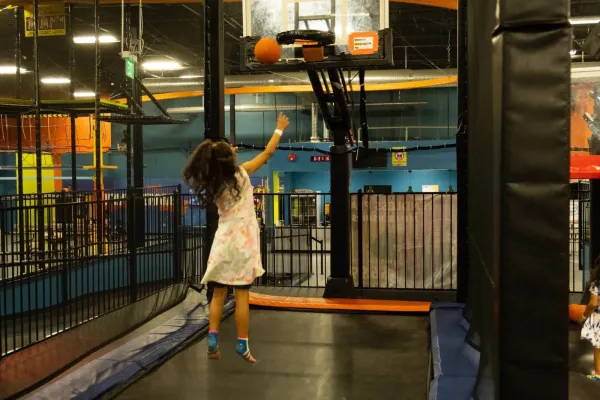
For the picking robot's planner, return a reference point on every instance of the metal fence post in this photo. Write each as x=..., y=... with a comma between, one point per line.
x=359, y=207
x=177, y=267
x=131, y=243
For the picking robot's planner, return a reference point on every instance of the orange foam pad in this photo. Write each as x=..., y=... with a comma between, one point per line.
x=318, y=303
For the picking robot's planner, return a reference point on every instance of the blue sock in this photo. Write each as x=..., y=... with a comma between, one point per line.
x=213, y=341
x=243, y=349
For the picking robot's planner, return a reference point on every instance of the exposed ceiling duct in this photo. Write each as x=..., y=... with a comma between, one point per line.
x=285, y=107
x=588, y=72
x=164, y=85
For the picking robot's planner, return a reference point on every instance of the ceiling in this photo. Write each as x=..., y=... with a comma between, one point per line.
x=424, y=38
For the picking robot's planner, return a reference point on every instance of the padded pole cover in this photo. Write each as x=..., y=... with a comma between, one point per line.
x=531, y=122
x=518, y=174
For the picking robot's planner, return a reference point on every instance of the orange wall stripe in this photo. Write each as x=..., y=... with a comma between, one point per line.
x=450, y=80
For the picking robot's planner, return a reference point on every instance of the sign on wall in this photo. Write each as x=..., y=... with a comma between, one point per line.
x=430, y=188
x=51, y=21
x=399, y=159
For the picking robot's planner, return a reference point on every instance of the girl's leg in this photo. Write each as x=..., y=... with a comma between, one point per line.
x=242, y=321
x=214, y=321
x=597, y=361
x=216, y=308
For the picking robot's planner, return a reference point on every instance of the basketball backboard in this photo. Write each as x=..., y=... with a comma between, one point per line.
x=267, y=18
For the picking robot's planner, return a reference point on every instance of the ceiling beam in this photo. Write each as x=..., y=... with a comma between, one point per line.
x=451, y=4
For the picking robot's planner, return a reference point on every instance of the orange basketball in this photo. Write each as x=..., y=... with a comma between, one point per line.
x=267, y=51
x=575, y=312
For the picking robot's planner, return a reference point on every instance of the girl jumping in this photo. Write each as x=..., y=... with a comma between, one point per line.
x=591, y=321
x=234, y=259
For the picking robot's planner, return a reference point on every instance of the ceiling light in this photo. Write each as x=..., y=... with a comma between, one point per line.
x=165, y=65
x=91, y=39
x=10, y=70
x=55, y=81
x=573, y=52
x=584, y=20
x=190, y=76
x=84, y=94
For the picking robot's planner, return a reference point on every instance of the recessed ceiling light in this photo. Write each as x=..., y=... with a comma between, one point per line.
x=190, y=76
x=91, y=39
x=83, y=94
x=584, y=20
x=165, y=65
x=10, y=70
x=55, y=81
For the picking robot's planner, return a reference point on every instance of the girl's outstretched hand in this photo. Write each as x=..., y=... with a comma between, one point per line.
x=282, y=122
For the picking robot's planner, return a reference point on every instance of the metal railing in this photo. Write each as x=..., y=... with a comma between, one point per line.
x=404, y=240
x=295, y=239
x=579, y=235
x=69, y=270
x=76, y=271
x=408, y=240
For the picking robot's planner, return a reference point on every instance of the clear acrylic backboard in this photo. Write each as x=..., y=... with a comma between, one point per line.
x=267, y=18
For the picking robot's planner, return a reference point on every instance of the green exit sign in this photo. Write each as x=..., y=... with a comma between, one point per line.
x=130, y=68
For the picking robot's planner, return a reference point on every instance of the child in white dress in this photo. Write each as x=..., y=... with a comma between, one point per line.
x=234, y=259
x=591, y=322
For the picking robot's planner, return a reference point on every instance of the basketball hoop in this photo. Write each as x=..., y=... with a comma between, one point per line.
x=313, y=42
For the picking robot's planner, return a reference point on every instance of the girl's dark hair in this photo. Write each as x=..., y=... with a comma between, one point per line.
x=211, y=170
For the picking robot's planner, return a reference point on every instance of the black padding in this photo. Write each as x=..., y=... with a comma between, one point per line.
x=483, y=206
x=518, y=174
x=323, y=38
x=531, y=122
x=531, y=12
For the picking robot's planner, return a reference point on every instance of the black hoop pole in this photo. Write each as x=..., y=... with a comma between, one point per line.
x=214, y=102
x=364, y=128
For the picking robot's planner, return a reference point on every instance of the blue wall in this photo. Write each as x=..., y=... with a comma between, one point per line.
x=166, y=148
x=399, y=180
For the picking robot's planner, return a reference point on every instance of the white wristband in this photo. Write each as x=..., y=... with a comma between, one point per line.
x=279, y=132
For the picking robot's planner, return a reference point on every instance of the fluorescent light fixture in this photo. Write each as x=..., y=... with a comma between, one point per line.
x=10, y=70
x=55, y=81
x=585, y=20
x=271, y=80
x=91, y=39
x=83, y=94
x=164, y=65
x=190, y=76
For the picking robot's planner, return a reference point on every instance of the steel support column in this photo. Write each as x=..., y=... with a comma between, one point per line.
x=461, y=157
x=214, y=100
x=98, y=134
x=38, y=136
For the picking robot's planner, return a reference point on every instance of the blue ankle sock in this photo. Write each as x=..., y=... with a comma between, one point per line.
x=213, y=341
x=243, y=349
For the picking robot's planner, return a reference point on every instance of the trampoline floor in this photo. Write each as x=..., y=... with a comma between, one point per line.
x=581, y=363
x=302, y=356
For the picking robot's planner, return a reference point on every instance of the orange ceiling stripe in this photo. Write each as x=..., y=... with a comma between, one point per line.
x=374, y=87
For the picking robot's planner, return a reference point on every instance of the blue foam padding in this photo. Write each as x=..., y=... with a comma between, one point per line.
x=455, y=363
x=452, y=388
x=125, y=362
